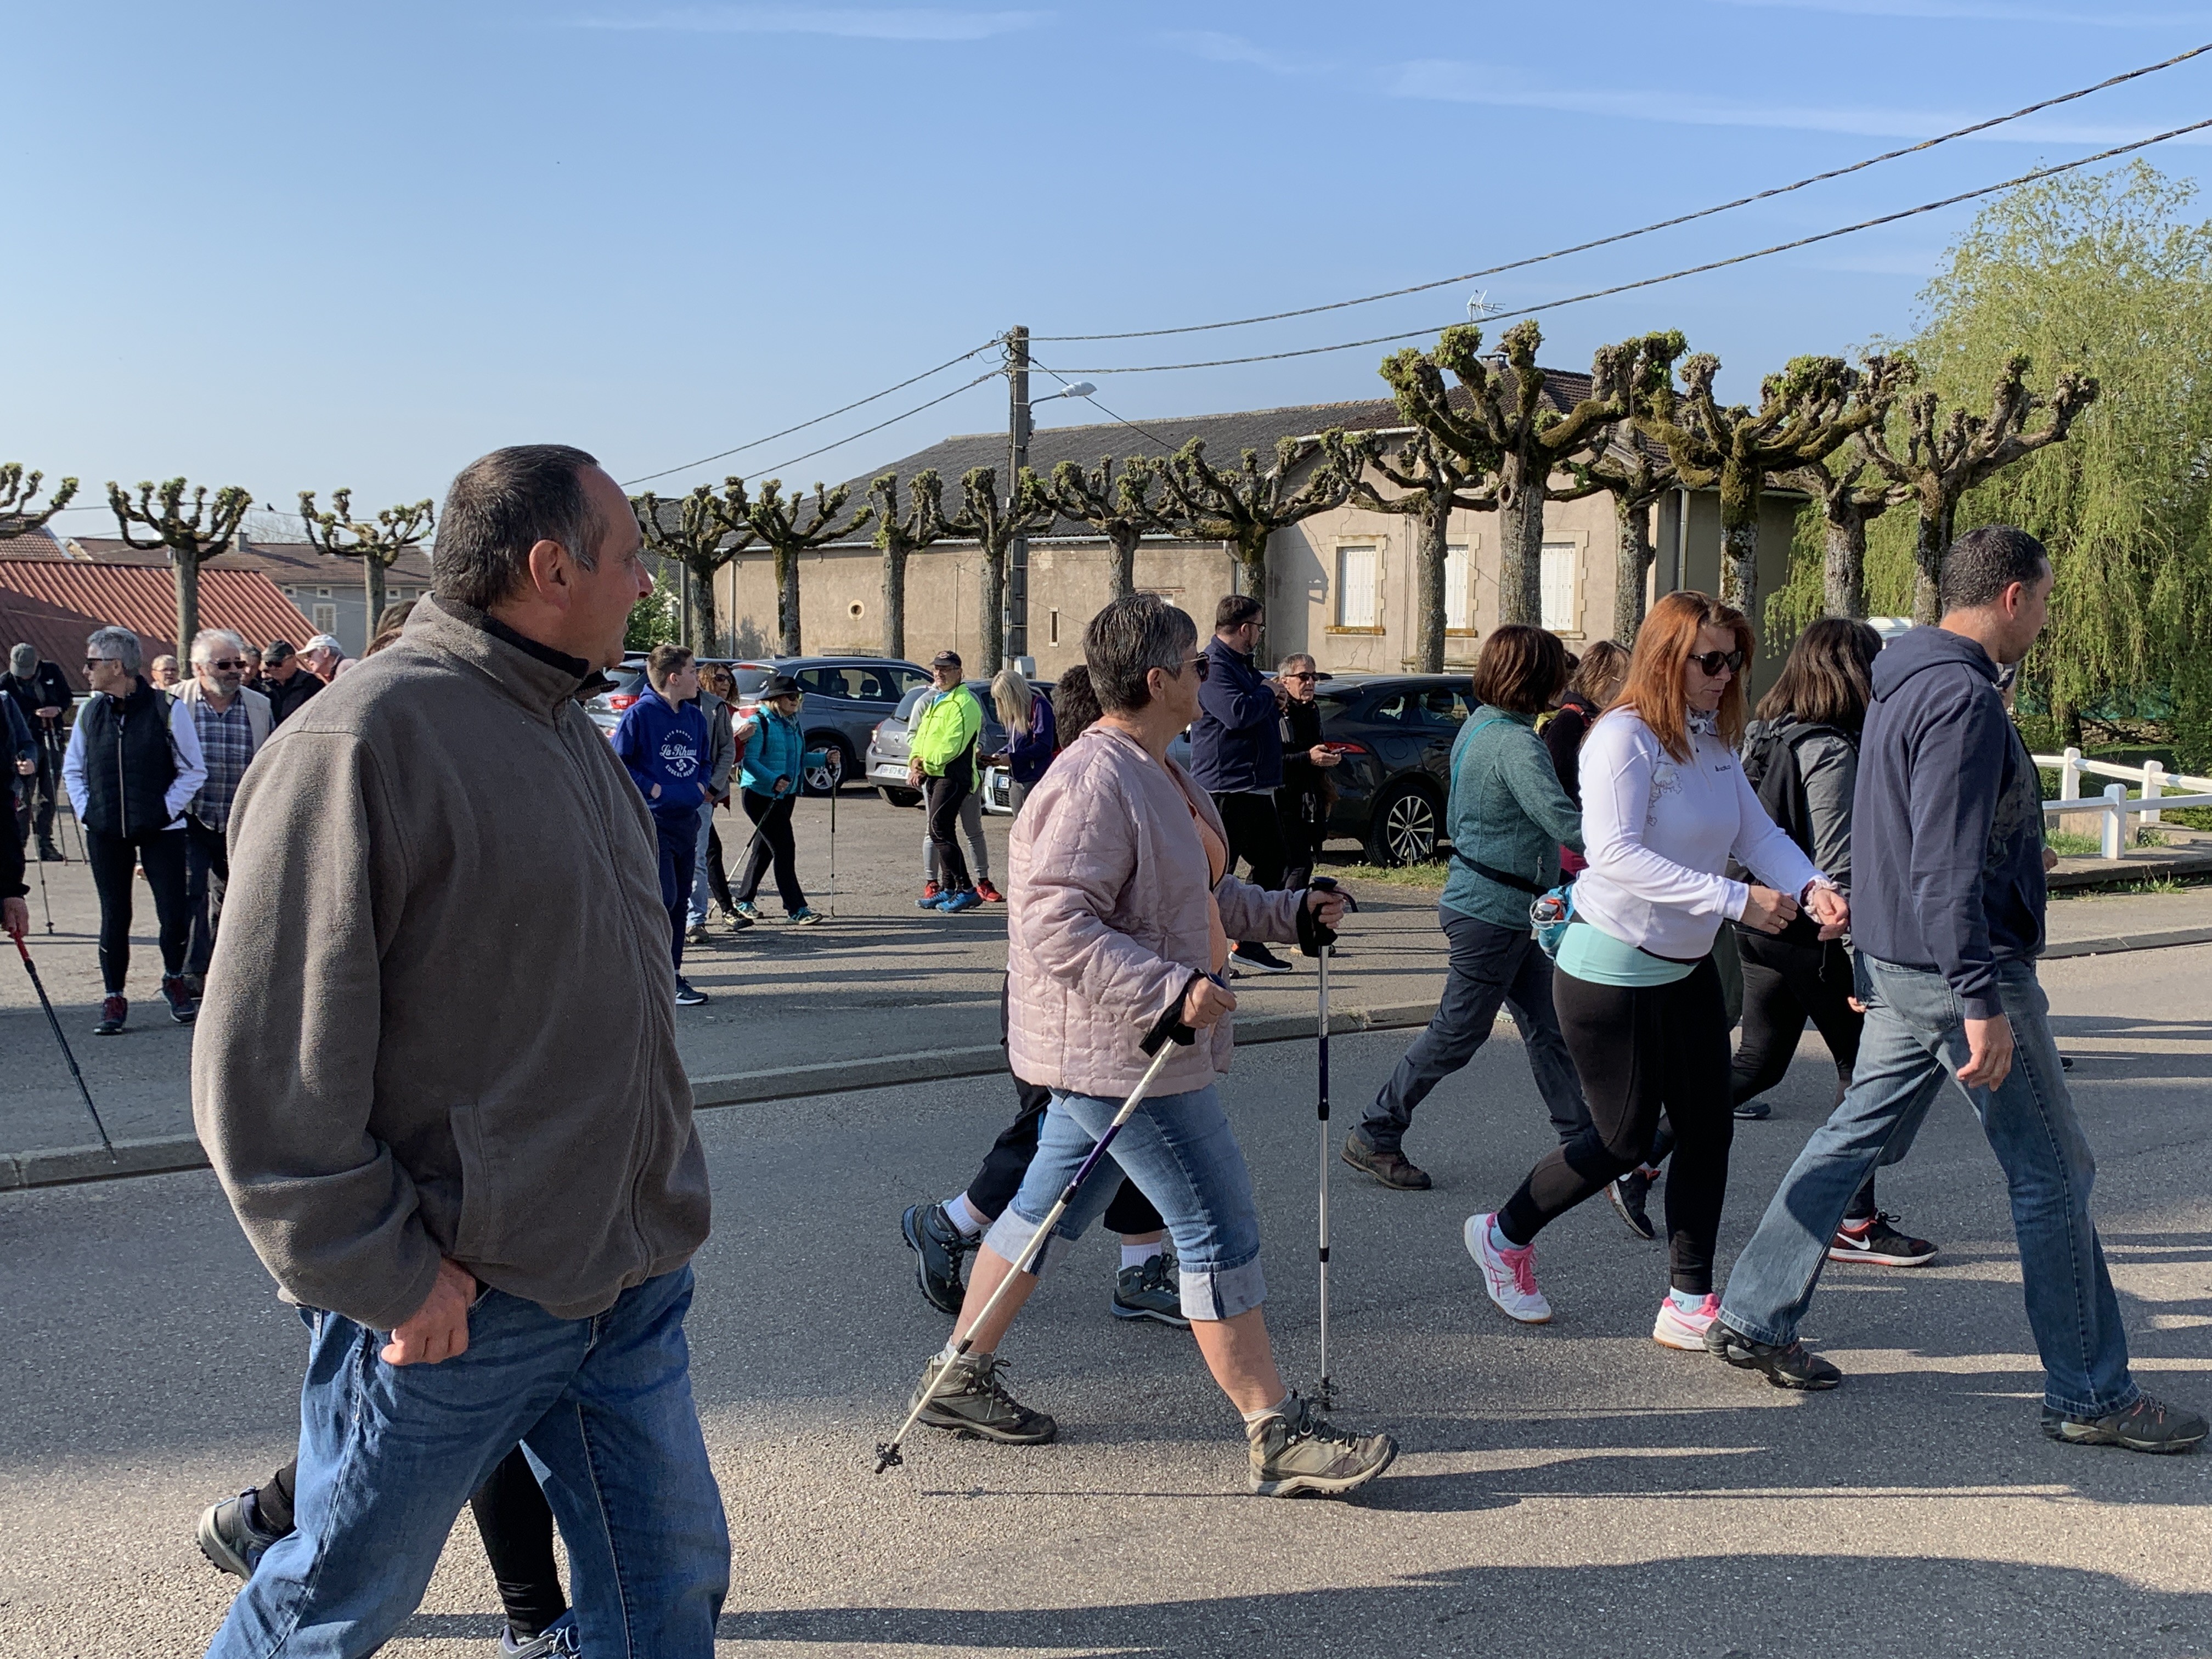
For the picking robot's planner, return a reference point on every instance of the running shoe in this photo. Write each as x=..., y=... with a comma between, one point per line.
x=1752, y=1111
x=989, y=894
x=931, y=897
x=687, y=996
x=1675, y=1329
x=1256, y=959
x=938, y=1247
x=2147, y=1425
x=737, y=923
x=231, y=1537
x=1628, y=1195
x=965, y=899
x=1150, y=1290
x=804, y=916
x=558, y=1640
x=113, y=1013
x=746, y=910
x=975, y=1404
x=178, y=996
x=696, y=934
x=1875, y=1241
x=1786, y=1365
x=1510, y=1275
x=1299, y=1451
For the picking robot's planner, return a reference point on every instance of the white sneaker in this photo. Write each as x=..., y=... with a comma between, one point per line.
x=1675, y=1329
x=1510, y=1276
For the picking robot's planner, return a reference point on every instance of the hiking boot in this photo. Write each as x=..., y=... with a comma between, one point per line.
x=1149, y=1290
x=1787, y=1366
x=1392, y=1168
x=1628, y=1195
x=1875, y=1240
x=687, y=995
x=746, y=910
x=231, y=1537
x=938, y=1247
x=1256, y=959
x=931, y=897
x=965, y=899
x=182, y=1008
x=2147, y=1425
x=697, y=933
x=804, y=916
x=113, y=1012
x=988, y=893
x=1509, y=1275
x=1299, y=1452
x=1676, y=1328
x=49, y=854
x=974, y=1404
x=558, y=1640
x=738, y=921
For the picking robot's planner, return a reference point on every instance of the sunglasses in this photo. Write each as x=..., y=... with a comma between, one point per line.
x=228, y=662
x=1299, y=677
x=1201, y=665
x=1711, y=662
x=91, y=663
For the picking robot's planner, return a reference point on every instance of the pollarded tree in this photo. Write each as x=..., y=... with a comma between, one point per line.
x=1245, y=508
x=1429, y=485
x=788, y=530
x=703, y=532
x=1946, y=455
x=994, y=523
x=1118, y=508
x=377, y=545
x=902, y=534
x=189, y=535
x=17, y=516
x=1634, y=472
x=1849, y=500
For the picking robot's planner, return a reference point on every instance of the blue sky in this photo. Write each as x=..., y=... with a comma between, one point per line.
x=303, y=246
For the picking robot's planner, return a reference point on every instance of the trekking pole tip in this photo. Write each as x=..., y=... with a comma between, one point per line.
x=887, y=1455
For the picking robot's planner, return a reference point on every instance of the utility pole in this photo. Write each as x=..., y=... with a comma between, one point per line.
x=1018, y=433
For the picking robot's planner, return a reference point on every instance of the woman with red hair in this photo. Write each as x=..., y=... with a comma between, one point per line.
x=1665, y=805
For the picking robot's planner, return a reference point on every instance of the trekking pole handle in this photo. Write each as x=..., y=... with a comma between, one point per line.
x=1169, y=1028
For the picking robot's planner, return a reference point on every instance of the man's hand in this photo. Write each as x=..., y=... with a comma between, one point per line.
x=914, y=775
x=1328, y=905
x=440, y=1328
x=1321, y=754
x=53, y=714
x=1988, y=1059
x=1206, y=1003
x=26, y=768
x=1282, y=693
x=1768, y=911
x=656, y=792
x=14, y=917
x=1831, y=909
x=2050, y=860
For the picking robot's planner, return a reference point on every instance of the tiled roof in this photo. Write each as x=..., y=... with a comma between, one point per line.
x=283, y=563
x=54, y=602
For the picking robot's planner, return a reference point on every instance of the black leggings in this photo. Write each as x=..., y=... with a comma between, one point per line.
x=112, y=858
x=1641, y=1050
x=771, y=815
x=1783, y=985
x=1255, y=835
x=718, y=872
x=945, y=795
x=514, y=1521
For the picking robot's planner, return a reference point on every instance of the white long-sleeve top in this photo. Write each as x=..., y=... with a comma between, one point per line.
x=192, y=765
x=1658, y=832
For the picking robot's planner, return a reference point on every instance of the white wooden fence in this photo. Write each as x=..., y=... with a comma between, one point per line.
x=2113, y=807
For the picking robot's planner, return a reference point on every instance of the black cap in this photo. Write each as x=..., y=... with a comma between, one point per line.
x=945, y=659
x=279, y=650
x=779, y=685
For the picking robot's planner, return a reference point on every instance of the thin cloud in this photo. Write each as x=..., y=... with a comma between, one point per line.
x=1986, y=11
x=922, y=23
x=1219, y=48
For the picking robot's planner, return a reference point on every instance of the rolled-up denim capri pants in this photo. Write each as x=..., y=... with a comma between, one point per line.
x=1179, y=1151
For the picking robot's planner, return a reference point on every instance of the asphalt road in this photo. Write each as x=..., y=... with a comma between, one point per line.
x=1566, y=1491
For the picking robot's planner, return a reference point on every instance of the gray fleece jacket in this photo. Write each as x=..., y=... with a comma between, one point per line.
x=439, y=1018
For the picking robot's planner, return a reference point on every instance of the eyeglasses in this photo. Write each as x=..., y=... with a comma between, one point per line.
x=228, y=662
x=1298, y=677
x=91, y=663
x=1711, y=662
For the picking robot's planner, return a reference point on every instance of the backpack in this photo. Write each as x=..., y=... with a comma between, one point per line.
x=1770, y=764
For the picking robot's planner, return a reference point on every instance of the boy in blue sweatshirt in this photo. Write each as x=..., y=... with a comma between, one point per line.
x=663, y=740
x=1947, y=917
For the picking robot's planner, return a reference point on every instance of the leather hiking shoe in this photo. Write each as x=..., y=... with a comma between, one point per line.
x=1299, y=1452
x=1875, y=1240
x=178, y=994
x=2147, y=1425
x=113, y=1013
x=974, y=1404
x=1786, y=1366
x=1391, y=1169
x=988, y=893
x=938, y=1247
x=229, y=1537
x=1629, y=1194
x=1149, y=1290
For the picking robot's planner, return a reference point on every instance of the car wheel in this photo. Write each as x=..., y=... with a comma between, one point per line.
x=837, y=767
x=899, y=797
x=1404, y=826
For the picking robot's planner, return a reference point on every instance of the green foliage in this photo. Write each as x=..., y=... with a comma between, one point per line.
x=654, y=620
x=17, y=489
x=190, y=534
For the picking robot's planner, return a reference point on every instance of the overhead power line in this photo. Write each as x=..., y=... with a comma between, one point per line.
x=988, y=374
x=1642, y=230
x=1672, y=275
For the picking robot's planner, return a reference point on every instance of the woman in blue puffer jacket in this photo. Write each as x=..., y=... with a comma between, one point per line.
x=773, y=757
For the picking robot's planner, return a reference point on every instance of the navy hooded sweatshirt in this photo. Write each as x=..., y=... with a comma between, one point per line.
x=668, y=744
x=1947, y=824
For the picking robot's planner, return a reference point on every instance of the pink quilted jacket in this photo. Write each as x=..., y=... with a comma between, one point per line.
x=1106, y=919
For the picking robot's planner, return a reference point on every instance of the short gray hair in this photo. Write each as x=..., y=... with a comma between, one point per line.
x=1127, y=641
x=208, y=639
x=499, y=508
x=1294, y=659
x=119, y=643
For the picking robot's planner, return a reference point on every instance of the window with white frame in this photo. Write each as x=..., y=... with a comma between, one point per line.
x=1358, y=588
x=1459, y=592
x=326, y=619
x=1562, y=568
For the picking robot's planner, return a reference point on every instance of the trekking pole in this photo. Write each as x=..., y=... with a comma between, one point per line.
x=24, y=950
x=1325, y=1395
x=1169, y=1030
x=835, y=786
x=45, y=903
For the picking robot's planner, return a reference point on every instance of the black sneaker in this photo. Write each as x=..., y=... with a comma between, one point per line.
x=1149, y=1290
x=1877, y=1241
x=1786, y=1366
x=1299, y=1451
x=938, y=1247
x=2148, y=1425
x=179, y=995
x=229, y=1537
x=1392, y=1168
x=974, y=1404
x=49, y=854
x=1752, y=1111
x=1628, y=1195
x=686, y=994
x=1256, y=958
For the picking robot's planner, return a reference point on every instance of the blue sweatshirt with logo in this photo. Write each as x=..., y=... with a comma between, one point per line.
x=666, y=744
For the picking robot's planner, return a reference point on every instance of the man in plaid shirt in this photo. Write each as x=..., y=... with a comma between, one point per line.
x=233, y=723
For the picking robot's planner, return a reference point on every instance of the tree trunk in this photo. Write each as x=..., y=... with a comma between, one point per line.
x=1843, y=565
x=1252, y=579
x=371, y=582
x=706, y=633
x=2066, y=717
x=1632, y=564
x=1740, y=558
x=895, y=558
x=1520, y=544
x=186, y=571
x=1430, y=555
x=1123, y=580
x=1927, y=569
x=786, y=601
x=991, y=611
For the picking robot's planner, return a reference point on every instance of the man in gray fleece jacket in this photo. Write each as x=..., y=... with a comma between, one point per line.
x=436, y=1072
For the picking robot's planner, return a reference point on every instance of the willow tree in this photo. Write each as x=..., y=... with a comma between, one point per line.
x=1245, y=507
x=1633, y=471
x=899, y=535
x=18, y=489
x=190, y=534
x=993, y=522
x=377, y=545
x=1117, y=505
x=701, y=532
x=1430, y=483
x=788, y=528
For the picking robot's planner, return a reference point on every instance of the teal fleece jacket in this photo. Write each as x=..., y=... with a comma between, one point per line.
x=1507, y=810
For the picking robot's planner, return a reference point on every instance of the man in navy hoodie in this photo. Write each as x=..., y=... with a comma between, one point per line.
x=1947, y=915
x=1237, y=755
x=662, y=740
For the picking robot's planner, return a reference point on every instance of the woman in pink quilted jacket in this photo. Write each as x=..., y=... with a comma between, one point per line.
x=1120, y=907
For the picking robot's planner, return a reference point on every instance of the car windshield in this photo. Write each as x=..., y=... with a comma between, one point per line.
x=750, y=676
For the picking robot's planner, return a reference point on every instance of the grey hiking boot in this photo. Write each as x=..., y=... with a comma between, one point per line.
x=2147, y=1425
x=1150, y=1290
x=231, y=1536
x=1300, y=1451
x=974, y=1403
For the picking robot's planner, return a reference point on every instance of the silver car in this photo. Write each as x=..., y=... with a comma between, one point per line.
x=888, y=751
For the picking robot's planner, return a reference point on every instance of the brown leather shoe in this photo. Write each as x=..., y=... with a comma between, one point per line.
x=1391, y=1169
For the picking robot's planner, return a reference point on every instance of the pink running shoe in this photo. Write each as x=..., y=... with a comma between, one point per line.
x=1510, y=1275
x=1675, y=1329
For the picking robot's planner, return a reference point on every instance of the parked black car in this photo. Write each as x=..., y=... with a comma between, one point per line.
x=1395, y=732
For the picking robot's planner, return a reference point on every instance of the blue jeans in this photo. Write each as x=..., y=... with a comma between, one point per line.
x=601, y=1407
x=1915, y=1039
x=1180, y=1152
x=701, y=889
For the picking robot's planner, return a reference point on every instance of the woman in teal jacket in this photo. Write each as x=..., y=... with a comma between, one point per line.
x=1508, y=817
x=774, y=758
